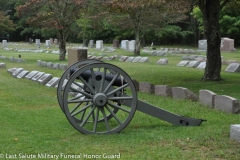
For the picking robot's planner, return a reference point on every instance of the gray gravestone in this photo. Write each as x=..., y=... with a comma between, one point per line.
x=131, y=45
x=163, y=61
x=63, y=66
x=39, y=62
x=49, y=65
x=22, y=74
x=129, y=59
x=37, y=76
x=235, y=132
x=146, y=87
x=91, y=43
x=4, y=43
x=183, y=63
x=11, y=70
x=53, y=82
x=136, y=59
x=56, y=66
x=206, y=98
x=45, y=78
x=31, y=74
x=48, y=43
x=202, y=44
x=125, y=44
x=163, y=90
x=193, y=64
x=226, y=103
x=37, y=42
x=17, y=72
x=183, y=93
x=233, y=67
x=2, y=65
x=202, y=65
x=144, y=59
x=123, y=58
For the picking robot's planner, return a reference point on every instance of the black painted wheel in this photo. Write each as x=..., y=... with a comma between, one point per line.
x=101, y=89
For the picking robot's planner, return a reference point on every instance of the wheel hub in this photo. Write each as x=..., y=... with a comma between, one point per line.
x=100, y=99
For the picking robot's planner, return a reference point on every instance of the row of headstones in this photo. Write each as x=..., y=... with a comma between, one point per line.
x=48, y=43
x=134, y=59
x=18, y=60
x=164, y=51
x=52, y=65
x=192, y=64
x=207, y=98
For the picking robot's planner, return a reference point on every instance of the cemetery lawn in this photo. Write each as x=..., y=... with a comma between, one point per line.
x=32, y=123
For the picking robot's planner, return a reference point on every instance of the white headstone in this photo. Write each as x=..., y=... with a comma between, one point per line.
x=131, y=45
x=37, y=42
x=125, y=44
x=99, y=44
x=17, y=72
x=48, y=43
x=4, y=43
x=202, y=44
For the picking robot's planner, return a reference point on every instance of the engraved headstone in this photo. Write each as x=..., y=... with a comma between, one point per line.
x=22, y=74
x=45, y=78
x=193, y=64
x=53, y=82
x=48, y=44
x=17, y=72
x=227, y=45
x=31, y=74
x=37, y=76
x=130, y=59
x=233, y=67
x=202, y=44
x=11, y=70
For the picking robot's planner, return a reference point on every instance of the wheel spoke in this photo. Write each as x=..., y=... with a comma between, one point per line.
x=93, y=78
x=114, y=115
x=79, y=101
x=82, y=92
x=77, y=97
x=117, y=89
x=84, y=108
x=110, y=84
x=96, y=121
x=117, y=106
x=103, y=80
x=79, y=85
x=89, y=114
x=87, y=85
x=105, y=118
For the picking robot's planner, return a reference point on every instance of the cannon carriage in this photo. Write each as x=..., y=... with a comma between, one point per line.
x=100, y=98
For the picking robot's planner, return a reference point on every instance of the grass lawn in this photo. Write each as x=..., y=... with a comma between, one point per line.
x=34, y=127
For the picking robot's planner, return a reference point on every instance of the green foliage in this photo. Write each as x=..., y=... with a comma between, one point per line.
x=6, y=25
x=197, y=14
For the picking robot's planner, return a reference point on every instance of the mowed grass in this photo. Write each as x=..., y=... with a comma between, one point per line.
x=32, y=122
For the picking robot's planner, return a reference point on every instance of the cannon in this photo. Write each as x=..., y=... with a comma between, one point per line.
x=100, y=98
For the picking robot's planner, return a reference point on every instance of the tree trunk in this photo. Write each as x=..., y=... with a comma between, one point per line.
x=137, y=43
x=62, y=49
x=210, y=10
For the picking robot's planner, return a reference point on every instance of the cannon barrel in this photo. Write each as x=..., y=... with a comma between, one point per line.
x=98, y=76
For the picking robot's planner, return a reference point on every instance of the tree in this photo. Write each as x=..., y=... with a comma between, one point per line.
x=6, y=25
x=54, y=14
x=210, y=10
x=143, y=16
